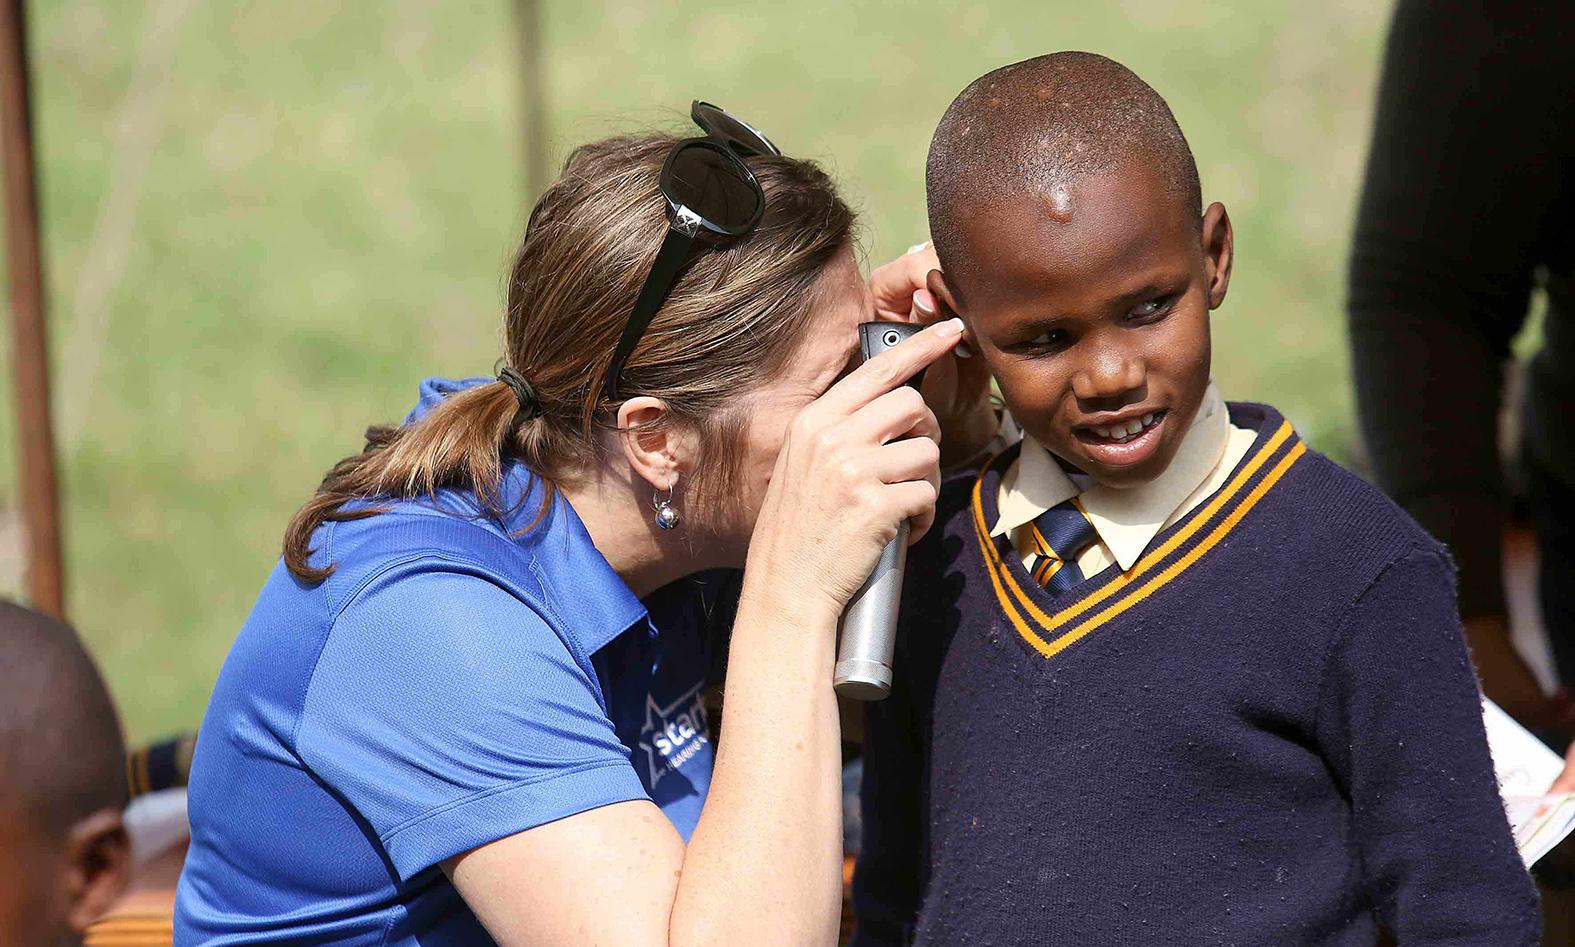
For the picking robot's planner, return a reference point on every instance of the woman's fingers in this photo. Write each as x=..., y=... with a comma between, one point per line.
x=858, y=462
x=911, y=469
x=914, y=501
x=891, y=368
x=1566, y=780
x=901, y=412
x=917, y=458
x=893, y=285
x=899, y=438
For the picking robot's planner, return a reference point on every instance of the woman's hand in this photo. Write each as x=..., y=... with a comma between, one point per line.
x=764, y=863
x=858, y=461
x=1566, y=780
x=956, y=387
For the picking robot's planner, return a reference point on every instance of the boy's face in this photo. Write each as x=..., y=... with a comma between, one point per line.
x=1091, y=308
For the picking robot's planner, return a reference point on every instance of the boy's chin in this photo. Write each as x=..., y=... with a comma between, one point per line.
x=1126, y=478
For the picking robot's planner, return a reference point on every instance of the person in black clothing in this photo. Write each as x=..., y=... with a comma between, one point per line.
x=1465, y=212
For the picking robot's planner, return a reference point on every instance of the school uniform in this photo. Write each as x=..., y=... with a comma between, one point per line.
x=457, y=680
x=1248, y=717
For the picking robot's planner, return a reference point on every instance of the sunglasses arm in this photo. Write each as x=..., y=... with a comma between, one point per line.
x=670, y=260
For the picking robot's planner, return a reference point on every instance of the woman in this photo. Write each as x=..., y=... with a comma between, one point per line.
x=466, y=705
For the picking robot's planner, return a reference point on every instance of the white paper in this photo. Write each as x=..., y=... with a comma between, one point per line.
x=1526, y=768
x=156, y=823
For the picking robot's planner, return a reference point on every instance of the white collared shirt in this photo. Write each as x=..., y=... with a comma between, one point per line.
x=1126, y=519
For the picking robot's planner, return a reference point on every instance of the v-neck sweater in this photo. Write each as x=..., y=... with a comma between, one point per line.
x=1267, y=731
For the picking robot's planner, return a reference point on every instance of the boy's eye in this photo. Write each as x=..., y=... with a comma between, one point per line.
x=1051, y=338
x=1152, y=309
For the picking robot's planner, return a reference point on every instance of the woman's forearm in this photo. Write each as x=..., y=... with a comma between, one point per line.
x=764, y=863
x=762, y=866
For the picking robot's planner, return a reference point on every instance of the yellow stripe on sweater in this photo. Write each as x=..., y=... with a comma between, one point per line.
x=995, y=580
x=1065, y=641
x=1126, y=579
x=1004, y=581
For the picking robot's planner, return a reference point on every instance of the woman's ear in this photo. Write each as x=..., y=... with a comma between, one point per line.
x=657, y=453
x=1219, y=246
x=98, y=867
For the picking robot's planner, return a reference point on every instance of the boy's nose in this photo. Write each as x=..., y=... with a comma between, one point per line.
x=1109, y=377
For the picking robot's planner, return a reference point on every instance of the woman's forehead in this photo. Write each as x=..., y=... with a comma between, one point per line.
x=833, y=329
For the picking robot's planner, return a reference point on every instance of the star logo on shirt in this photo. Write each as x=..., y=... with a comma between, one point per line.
x=673, y=734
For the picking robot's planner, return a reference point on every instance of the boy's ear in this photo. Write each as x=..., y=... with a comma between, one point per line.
x=1219, y=248
x=655, y=453
x=947, y=308
x=97, y=867
x=935, y=282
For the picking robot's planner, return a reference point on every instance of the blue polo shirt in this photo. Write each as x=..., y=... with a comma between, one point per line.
x=457, y=680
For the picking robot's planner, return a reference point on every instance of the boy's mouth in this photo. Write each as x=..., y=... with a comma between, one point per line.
x=1124, y=441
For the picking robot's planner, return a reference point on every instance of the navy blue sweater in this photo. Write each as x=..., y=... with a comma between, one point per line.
x=1266, y=732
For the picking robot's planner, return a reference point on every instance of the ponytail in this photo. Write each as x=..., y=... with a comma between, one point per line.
x=459, y=443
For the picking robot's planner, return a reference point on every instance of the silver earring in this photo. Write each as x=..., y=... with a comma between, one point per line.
x=666, y=514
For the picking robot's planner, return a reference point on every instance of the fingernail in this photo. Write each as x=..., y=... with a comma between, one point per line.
x=924, y=302
x=949, y=328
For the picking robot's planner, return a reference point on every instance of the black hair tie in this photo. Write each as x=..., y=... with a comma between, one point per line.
x=524, y=393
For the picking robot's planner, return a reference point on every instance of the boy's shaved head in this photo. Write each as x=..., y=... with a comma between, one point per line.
x=60, y=739
x=1030, y=127
x=67, y=855
x=1066, y=213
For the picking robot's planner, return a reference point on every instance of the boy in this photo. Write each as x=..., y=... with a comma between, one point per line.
x=64, y=854
x=1166, y=676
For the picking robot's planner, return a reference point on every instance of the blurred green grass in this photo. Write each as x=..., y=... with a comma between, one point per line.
x=323, y=198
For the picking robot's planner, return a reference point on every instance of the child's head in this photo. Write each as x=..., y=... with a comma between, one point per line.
x=62, y=784
x=1065, y=208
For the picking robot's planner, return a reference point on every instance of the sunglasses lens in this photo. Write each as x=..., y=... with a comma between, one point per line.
x=709, y=183
x=738, y=134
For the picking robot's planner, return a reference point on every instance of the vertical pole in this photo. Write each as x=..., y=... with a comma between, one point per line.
x=533, y=98
x=29, y=338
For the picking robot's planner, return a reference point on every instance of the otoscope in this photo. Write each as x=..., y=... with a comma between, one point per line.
x=869, y=625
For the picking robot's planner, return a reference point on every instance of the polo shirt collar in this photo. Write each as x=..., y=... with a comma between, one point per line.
x=593, y=601
x=1128, y=519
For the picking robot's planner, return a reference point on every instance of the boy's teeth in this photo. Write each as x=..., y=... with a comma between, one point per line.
x=1126, y=431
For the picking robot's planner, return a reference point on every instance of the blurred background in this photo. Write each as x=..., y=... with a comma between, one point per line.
x=264, y=222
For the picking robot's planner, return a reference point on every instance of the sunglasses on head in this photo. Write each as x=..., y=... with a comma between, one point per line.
x=712, y=196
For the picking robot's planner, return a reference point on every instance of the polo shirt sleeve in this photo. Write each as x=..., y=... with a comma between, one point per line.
x=448, y=713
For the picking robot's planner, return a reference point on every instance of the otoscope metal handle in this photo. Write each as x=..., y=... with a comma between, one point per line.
x=869, y=625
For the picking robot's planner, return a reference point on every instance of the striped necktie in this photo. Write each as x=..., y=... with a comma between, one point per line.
x=1059, y=535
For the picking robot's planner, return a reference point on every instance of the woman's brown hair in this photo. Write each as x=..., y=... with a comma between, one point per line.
x=732, y=322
